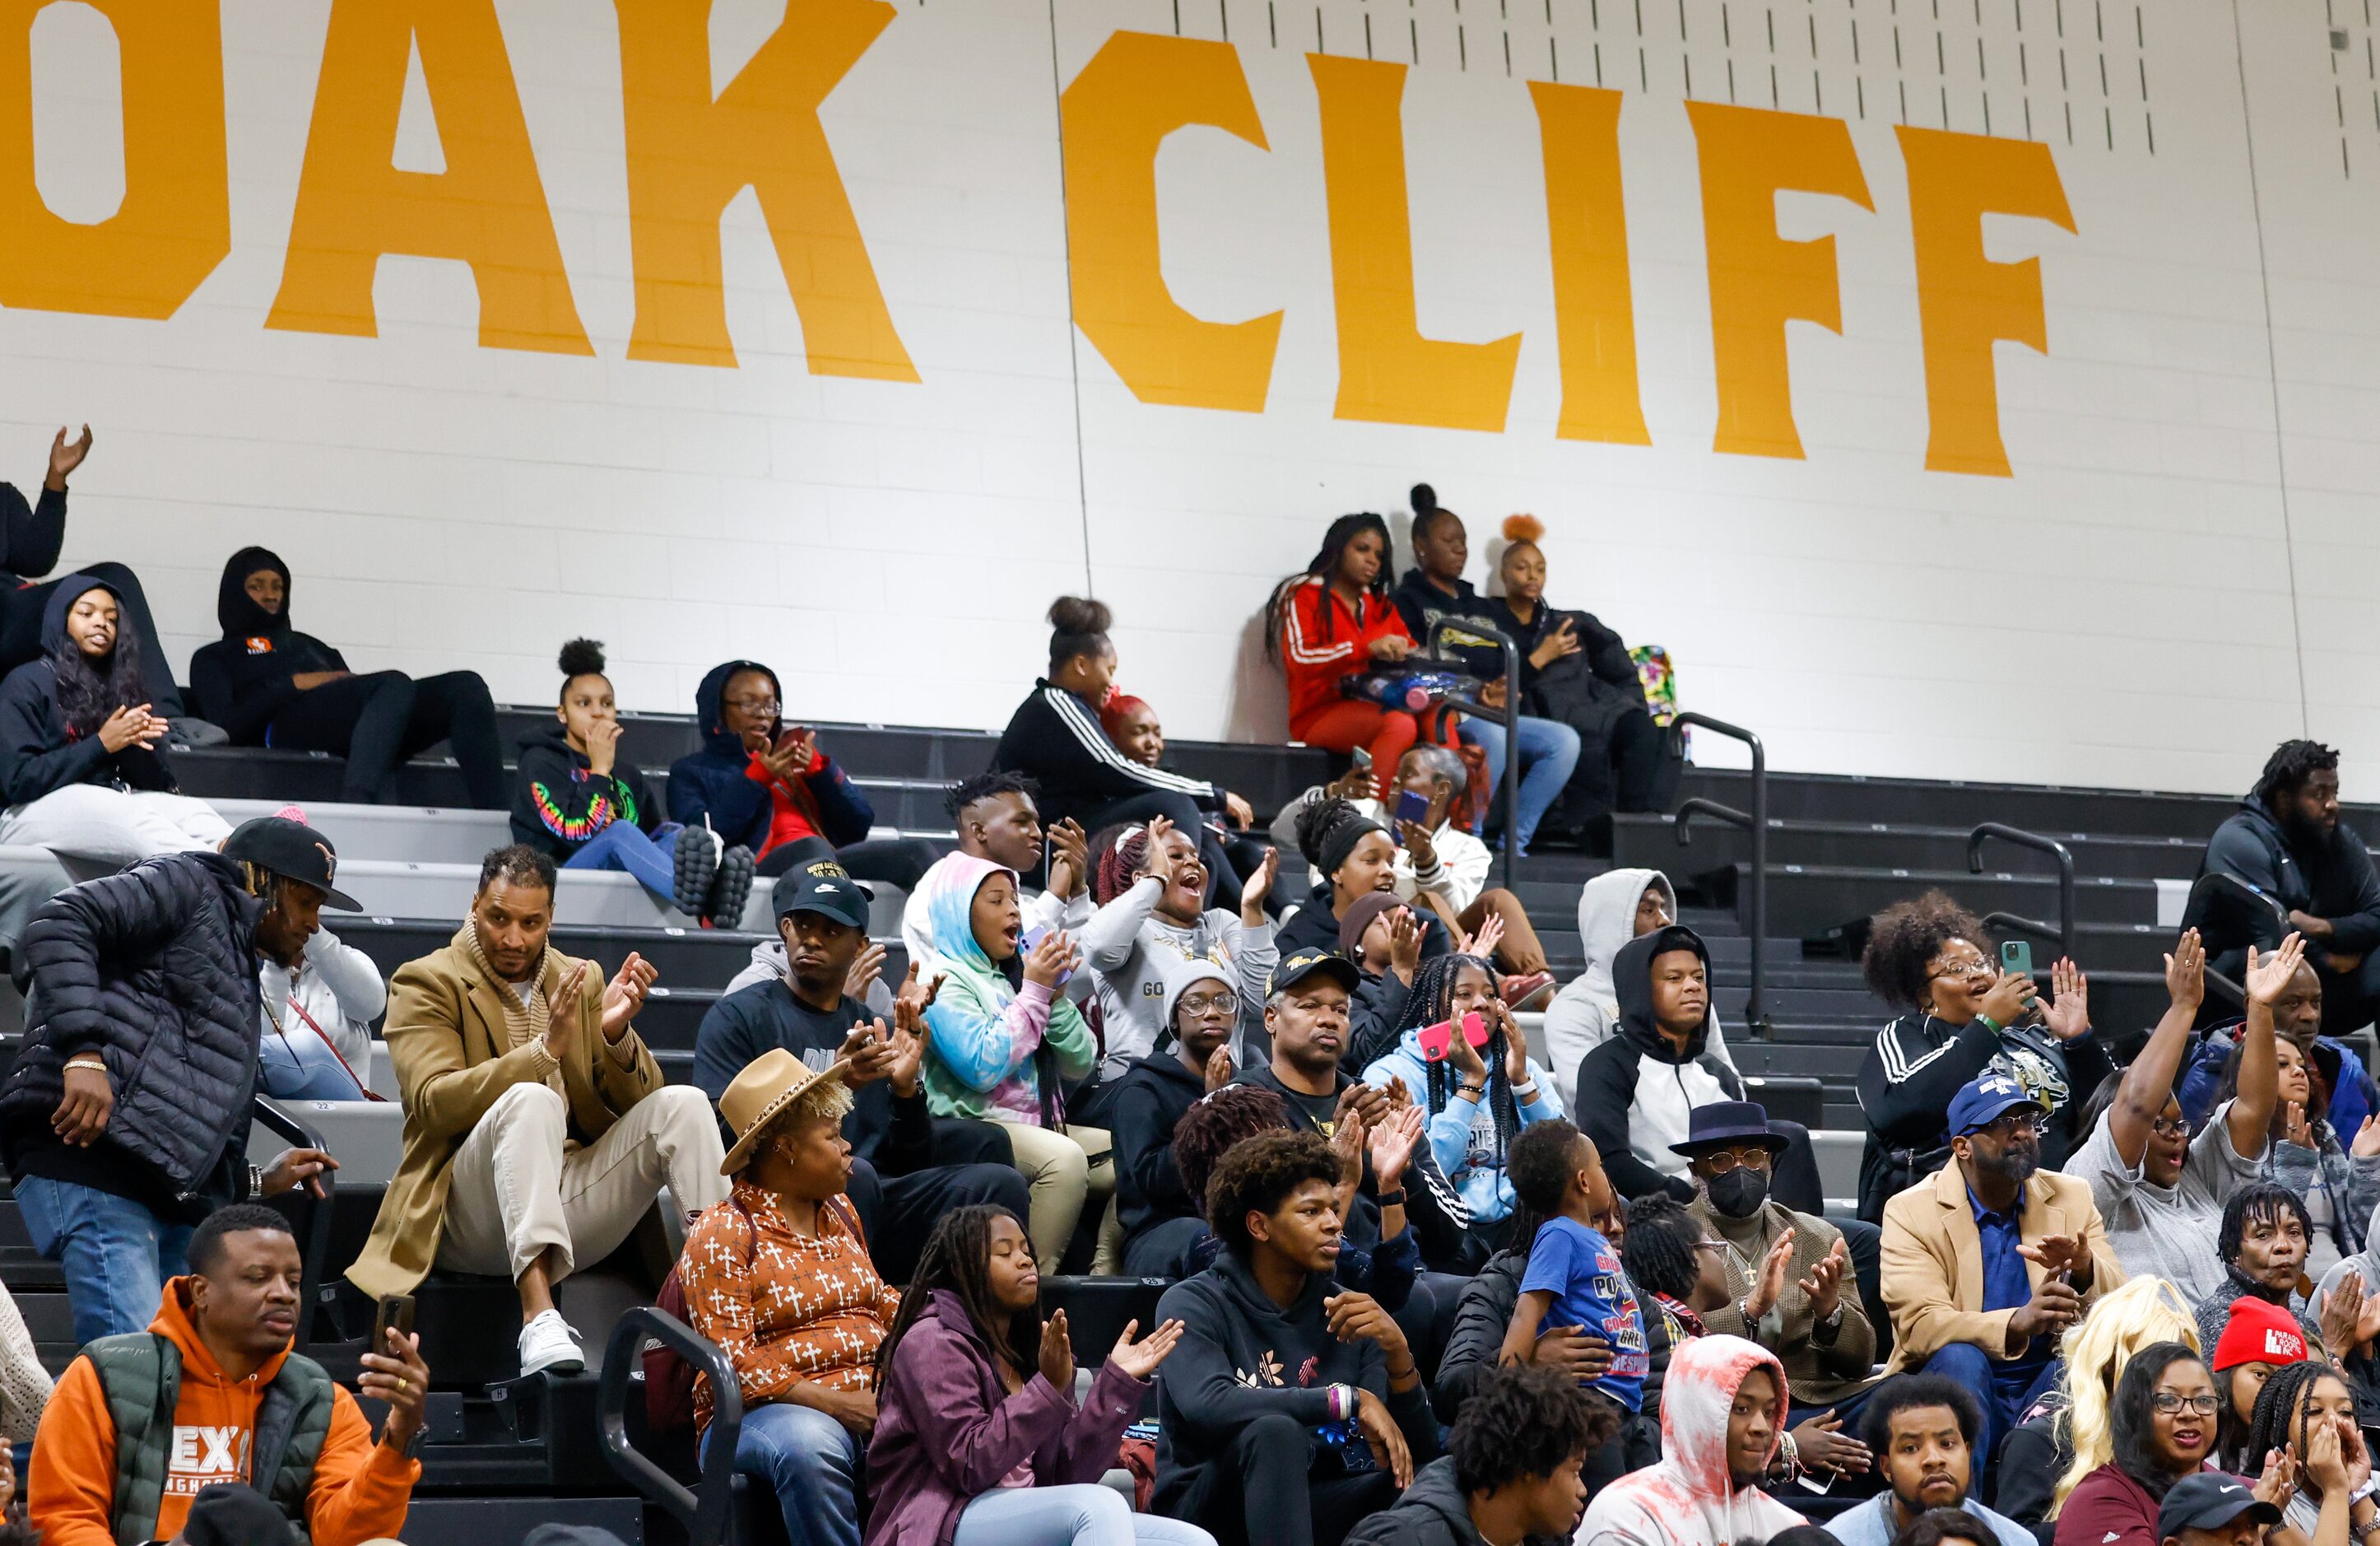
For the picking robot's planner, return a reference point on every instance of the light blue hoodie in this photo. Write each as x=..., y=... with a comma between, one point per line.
x=1462, y=1129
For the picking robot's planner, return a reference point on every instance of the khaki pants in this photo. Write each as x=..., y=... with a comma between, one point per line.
x=1061, y=1169
x=516, y=1194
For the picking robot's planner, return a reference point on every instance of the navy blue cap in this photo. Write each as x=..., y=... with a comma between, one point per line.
x=1984, y=1098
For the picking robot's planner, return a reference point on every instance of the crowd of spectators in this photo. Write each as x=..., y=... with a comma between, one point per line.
x=1427, y=1286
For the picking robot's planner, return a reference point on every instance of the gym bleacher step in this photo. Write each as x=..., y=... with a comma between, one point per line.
x=1650, y=842
x=1806, y=901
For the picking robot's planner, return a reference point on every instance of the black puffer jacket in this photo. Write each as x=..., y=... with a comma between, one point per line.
x=1482, y=1316
x=154, y=969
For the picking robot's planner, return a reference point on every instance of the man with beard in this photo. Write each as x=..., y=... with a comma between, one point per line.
x=1789, y=1283
x=1922, y=1428
x=2288, y=842
x=1988, y=1259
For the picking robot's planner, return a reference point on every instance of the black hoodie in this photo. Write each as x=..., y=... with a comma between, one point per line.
x=1433, y=1512
x=713, y=786
x=1243, y=1356
x=1151, y=1097
x=243, y=679
x=1448, y=625
x=39, y=753
x=1635, y=1091
x=556, y=794
x=2327, y=873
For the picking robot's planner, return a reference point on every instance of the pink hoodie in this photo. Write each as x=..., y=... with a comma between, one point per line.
x=1688, y=1498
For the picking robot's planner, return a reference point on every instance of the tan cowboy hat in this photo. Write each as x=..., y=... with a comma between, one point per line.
x=760, y=1093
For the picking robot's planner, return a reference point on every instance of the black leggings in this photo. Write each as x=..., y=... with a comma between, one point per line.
x=20, y=632
x=1224, y=881
x=378, y=720
x=901, y=861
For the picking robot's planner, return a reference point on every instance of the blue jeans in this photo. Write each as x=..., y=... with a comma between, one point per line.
x=1548, y=752
x=811, y=1462
x=117, y=1254
x=623, y=846
x=2004, y=1390
x=1083, y=1514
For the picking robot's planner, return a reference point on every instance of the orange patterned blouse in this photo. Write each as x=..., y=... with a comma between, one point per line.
x=784, y=1308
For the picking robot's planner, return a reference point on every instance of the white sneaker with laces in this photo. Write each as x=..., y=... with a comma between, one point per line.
x=547, y=1344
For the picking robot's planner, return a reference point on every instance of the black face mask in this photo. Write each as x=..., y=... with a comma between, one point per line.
x=1740, y=1192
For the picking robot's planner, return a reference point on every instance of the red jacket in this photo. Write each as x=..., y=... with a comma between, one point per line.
x=1315, y=655
x=2108, y=1508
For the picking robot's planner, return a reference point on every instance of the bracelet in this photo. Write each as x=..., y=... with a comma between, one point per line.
x=1343, y=1403
x=2370, y=1488
x=87, y=1060
x=1472, y=1092
x=1989, y=1024
x=1394, y=1198
x=1525, y=1093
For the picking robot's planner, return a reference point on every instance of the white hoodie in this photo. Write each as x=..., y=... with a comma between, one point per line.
x=1689, y=1499
x=1585, y=1013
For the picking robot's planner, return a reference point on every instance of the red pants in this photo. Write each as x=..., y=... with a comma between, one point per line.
x=1344, y=726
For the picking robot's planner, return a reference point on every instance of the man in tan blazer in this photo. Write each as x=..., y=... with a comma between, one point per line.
x=537, y=1126
x=1986, y=1261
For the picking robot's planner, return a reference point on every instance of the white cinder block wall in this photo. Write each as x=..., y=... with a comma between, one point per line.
x=2179, y=572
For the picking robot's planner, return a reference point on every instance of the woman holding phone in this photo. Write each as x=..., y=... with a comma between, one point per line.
x=1961, y=1012
x=767, y=785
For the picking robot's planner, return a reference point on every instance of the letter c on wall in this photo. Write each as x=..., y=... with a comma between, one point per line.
x=175, y=224
x=1138, y=89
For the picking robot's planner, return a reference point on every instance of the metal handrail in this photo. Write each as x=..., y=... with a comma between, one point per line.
x=1757, y=822
x=2233, y=886
x=2055, y=849
x=703, y=1511
x=2000, y=923
x=1510, y=716
x=317, y=1244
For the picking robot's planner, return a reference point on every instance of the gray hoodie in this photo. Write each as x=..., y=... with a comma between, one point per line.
x=1585, y=1012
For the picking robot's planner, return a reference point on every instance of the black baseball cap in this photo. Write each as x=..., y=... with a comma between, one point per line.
x=823, y=887
x=1310, y=963
x=2208, y=1501
x=293, y=851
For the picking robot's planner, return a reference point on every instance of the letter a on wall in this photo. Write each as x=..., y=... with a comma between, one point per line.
x=175, y=224
x=487, y=208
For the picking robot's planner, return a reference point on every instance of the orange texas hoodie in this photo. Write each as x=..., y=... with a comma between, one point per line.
x=361, y=1487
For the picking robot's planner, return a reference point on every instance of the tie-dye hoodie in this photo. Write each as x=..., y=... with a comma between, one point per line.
x=1689, y=1499
x=1001, y=1045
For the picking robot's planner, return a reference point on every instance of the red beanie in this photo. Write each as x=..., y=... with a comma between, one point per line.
x=2259, y=1333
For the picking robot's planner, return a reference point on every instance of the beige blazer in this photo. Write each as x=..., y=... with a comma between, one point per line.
x=1932, y=1272
x=445, y=1029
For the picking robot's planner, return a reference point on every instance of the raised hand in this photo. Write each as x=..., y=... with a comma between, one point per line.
x=1371, y=1105
x=1051, y=959
x=909, y=1004
x=1153, y=858
x=2294, y=1127
x=1482, y=943
x=602, y=746
x=1516, y=1045
x=1464, y=1059
x=1069, y=858
x=1395, y=1093
x=2279, y=1482
x=2267, y=975
x=1824, y=1284
x=1392, y=1145
x=1139, y=1359
x=2367, y=1139
x=1219, y=1068
x=2185, y=971
x=2325, y=1457
x=625, y=994
x=2342, y=1314
x=1770, y=1284
x=1057, y=1354
x=866, y=968
x=395, y=1375
x=1415, y=838
x=1348, y=1136
x=2009, y=998
x=562, y=1011
x=2056, y=1253
x=2069, y=1015
x=1257, y=887
x=1824, y=1447
x=65, y=456
x=1404, y=944
x=1359, y=1318
x=869, y=1048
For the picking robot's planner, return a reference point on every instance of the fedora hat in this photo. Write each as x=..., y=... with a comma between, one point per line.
x=760, y=1093
x=1725, y=1124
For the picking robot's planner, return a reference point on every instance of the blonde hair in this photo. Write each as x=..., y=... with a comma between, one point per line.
x=823, y=1100
x=2097, y=1348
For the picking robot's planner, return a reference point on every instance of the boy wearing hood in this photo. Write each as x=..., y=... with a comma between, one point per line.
x=268, y=685
x=766, y=786
x=1637, y=1091
x=1160, y=1219
x=2288, y=842
x=243, y=1407
x=1614, y=907
x=1723, y=1415
x=1511, y=1471
x=1289, y=1410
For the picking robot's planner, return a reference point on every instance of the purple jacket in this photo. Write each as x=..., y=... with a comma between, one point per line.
x=947, y=1430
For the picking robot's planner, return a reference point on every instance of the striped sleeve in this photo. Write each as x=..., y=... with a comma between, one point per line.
x=1298, y=640
x=1085, y=730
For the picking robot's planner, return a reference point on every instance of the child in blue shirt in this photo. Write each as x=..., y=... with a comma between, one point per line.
x=1574, y=1276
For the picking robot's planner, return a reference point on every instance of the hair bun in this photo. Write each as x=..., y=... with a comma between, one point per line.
x=1523, y=529
x=582, y=657
x=1079, y=614
x=1425, y=499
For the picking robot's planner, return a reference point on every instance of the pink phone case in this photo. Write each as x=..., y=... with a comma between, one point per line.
x=1436, y=1041
x=1475, y=1029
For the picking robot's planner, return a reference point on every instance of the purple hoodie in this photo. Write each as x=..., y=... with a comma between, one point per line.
x=947, y=1430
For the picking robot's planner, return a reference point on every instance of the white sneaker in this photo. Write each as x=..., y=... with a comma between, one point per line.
x=547, y=1344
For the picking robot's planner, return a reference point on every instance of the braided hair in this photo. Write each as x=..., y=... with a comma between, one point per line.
x=1120, y=848
x=958, y=1258
x=2278, y=1420
x=1659, y=1250
x=1432, y=1000
x=1325, y=563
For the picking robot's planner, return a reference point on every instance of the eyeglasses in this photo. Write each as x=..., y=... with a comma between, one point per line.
x=754, y=705
x=2177, y=1127
x=2168, y=1403
x=1210, y=1004
x=1972, y=966
x=1707, y=1244
x=2019, y=1124
x=1722, y=1161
